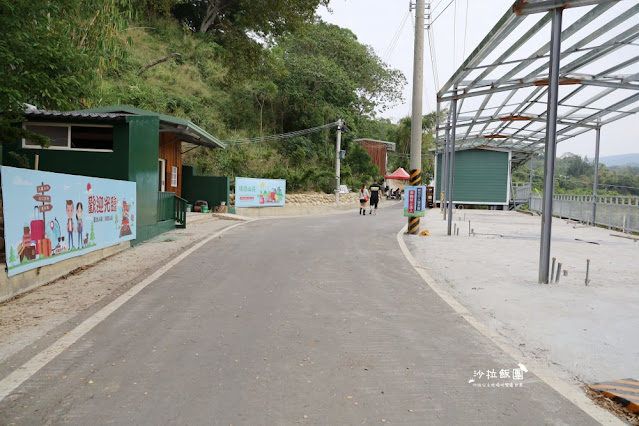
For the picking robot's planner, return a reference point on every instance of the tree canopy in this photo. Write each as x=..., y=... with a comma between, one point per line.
x=246, y=68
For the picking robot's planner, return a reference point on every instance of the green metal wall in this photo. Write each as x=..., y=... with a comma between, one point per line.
x=108, y=165
x=143, y=151
x=481, y=176
x=213, y=189
x=134, y=158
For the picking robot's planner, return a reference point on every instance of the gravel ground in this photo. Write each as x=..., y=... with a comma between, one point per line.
x=584, y=332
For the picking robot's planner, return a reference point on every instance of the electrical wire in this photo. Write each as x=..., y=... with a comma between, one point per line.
x=391, y=47
x=433, y=57
x=440, y=13
x=455, y=35
x=436, y=6
x=465, y=28
x=282, y=136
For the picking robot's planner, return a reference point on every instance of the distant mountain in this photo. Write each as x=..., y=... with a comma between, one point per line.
x=620, y=160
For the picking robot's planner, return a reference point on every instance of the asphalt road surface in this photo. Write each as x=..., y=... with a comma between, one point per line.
x=313, y=320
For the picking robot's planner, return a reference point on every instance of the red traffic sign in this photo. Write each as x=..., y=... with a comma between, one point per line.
x=45, y=208
x=43, y=188
x=43, y=198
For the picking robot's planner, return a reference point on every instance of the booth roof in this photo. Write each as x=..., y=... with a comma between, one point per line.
x=400, y=174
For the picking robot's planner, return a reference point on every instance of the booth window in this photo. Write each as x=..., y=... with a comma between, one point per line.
x=58, y=135
x=92, y=138
x=72, y=137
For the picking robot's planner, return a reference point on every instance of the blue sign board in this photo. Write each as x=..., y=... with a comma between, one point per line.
x=50, y=217
x=250, y=192
x=415, y=201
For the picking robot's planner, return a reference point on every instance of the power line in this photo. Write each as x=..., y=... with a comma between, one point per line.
x=455, y=36
x=391, y=47
x=281, y=136
x=433, y=58
x=465, y=28
x=436, y=6
x=440, y=13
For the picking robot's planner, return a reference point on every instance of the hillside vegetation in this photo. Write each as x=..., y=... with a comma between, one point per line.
x=239, y=69
x=575, y=175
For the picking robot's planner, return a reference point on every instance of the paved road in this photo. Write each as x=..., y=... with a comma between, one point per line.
x=290, y=321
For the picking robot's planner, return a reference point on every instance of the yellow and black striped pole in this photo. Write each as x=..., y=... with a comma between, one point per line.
x=415, y=180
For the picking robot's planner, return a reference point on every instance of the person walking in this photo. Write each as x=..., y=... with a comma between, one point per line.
x=363, y=198
x=375, y=191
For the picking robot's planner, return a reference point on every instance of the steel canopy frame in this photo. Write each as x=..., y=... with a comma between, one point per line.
x=504, y=84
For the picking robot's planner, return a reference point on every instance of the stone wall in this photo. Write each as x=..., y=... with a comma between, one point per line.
x=315, y=199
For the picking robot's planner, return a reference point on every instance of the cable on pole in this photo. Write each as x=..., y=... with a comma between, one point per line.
x=440, y=13
x=282, y=136
x=391, y=47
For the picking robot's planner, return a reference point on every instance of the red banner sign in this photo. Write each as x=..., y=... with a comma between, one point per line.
x=411, y=201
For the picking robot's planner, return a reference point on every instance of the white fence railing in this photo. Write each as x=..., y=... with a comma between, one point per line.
x=520, y=192
x=612, y=211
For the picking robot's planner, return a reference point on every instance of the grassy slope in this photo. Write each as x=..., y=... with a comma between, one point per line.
x=190, y=86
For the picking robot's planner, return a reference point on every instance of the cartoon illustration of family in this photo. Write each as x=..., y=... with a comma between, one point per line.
x=77, y=227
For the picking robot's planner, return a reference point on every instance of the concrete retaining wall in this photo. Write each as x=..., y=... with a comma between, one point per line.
x=304, y=204
x=21, y=283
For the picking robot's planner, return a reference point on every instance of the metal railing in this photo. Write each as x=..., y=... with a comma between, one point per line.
x=180, y=212
x=617, y=212
x=520, y=192
x=172, y=207
x=166, y=209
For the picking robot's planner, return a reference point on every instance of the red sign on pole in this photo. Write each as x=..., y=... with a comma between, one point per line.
x=411, y=201
x=43, y=198
x=43, y=188
x=45, y=208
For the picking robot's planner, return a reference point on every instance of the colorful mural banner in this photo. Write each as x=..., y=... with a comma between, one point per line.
x=251, y=192
x=414, y=201
x=49, y=217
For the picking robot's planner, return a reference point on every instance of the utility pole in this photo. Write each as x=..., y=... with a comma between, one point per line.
x=338, y=148
x=416, y=122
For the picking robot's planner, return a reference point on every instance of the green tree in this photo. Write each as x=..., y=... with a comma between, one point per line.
x=329, y=74
x=12, y=256
x=52, y=52
x=263, y=17
x=92, y=233
x=403, y=140
x=360, y=167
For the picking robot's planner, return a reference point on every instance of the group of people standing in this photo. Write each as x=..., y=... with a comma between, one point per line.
x=371, y=196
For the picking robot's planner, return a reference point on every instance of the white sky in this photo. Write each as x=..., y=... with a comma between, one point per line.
x=376, y=23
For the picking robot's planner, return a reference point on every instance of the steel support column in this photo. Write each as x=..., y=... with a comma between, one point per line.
x=444, y=173
x=596, y=180
x=451, y=167
x=551, y=147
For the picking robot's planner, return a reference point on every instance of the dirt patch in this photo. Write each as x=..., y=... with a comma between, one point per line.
x=31, y=315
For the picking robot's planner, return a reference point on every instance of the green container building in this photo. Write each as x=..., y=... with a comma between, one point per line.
x=122, y=143
x=482, y=177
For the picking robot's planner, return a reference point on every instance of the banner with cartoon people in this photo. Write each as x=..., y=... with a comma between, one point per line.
x=50, y=217
x=250, y=192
